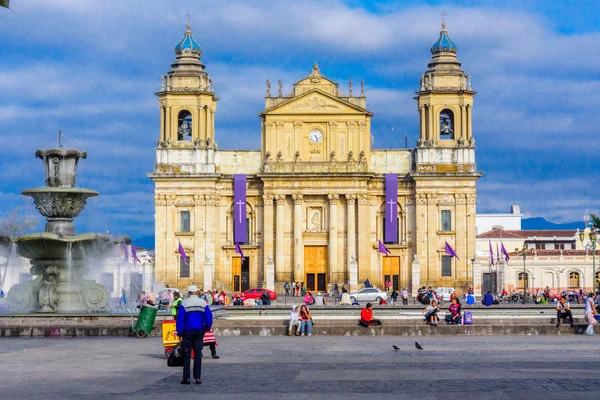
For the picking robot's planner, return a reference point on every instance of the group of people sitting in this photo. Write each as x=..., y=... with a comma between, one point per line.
x=453, y=316
x=300, y=321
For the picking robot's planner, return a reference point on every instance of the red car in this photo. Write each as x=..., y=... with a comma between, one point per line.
x=256, y=293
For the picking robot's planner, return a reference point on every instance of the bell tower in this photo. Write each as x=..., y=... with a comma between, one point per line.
x=187, y=100
x=445, y=100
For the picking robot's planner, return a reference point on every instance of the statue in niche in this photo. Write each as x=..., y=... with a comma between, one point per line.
x=315, y=221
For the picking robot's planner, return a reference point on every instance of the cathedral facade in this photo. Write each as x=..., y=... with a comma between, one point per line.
x=314, y=195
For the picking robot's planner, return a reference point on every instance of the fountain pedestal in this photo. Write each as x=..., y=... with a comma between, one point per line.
x=60, y=258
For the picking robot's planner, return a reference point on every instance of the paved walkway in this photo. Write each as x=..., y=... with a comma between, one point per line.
x=490, y=367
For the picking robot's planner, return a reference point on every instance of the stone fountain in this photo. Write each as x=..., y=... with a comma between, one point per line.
x=60, y=258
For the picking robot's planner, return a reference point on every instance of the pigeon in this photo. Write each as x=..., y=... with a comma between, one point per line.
x=418, y=346
x=396, y=348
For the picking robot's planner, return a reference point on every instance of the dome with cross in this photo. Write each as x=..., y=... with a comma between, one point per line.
x=444, y=44
x=188, y=44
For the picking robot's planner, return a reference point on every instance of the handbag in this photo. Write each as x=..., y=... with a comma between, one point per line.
x=176, y=357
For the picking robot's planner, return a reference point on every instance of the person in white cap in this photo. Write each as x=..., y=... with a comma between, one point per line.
x=193, y=320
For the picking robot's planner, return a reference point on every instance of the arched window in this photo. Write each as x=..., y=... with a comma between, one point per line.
x=574, y=280
x=523, y=280
x=184, y=125
x=446, y=125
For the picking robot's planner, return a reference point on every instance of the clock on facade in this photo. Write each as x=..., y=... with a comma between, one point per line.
x=315, y=136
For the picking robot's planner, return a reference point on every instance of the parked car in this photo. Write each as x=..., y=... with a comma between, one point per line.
x=255, y=293
x=368, y=295
x=445, y=292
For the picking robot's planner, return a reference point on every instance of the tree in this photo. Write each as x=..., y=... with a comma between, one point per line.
x=595, y=221
x=16, y=222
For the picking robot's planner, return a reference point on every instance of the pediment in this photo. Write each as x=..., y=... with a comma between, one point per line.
x=315, y=102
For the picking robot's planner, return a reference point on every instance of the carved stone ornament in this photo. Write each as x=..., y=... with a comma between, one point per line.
x=421, y=198
x=184, y=201
x=432, y=199
x=268, y=199
x=280, y=199
x=351, y=124
x=160, y=200
x=270, y=124
x=171, y=199
x=199, y=199
x=351, y=199
x=460, y=199
x=333, y=198
x=314, y=103
x=298, y=199
x=297, y=124
x=471, y=198
x=363, y=199
x=60, y=205
x=446, y=199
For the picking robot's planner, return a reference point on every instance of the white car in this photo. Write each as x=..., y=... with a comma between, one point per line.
x=368, y=295
x=445, y=292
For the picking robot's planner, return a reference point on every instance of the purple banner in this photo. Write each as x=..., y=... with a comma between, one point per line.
x=391, y=208
x=240, y=233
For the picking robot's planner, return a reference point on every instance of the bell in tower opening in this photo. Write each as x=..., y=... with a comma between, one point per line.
x=185, y=126
x=446, y=124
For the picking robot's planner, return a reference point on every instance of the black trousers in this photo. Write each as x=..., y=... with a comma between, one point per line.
x=369, y=323
x=562, y=314
x=404, y=302
x=213, y=348
x=192, y=340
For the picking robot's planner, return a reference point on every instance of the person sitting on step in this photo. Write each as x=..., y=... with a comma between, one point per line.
x=454, y=315
x=563, y=310
x=366, y=317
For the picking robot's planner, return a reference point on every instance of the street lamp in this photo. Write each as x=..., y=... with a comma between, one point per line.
x=593, y=240
x=524, y=252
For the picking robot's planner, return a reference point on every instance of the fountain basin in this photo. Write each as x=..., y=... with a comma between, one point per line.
x=60, y=165
x=53, y=246
x=59, y=205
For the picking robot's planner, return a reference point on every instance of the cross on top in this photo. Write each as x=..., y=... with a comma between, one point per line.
x=443, y=14
x=189, y=17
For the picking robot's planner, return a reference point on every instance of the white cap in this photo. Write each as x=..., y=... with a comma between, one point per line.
x=192, y=289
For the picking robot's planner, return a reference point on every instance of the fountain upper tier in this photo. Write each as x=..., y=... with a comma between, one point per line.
x=59, y=201
x=60, y=165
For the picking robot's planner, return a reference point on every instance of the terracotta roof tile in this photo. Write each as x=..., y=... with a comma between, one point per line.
x=498, y=233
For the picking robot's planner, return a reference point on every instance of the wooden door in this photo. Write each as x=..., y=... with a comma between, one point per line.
x=236, y=270
x=391, y=271
x=315, y=266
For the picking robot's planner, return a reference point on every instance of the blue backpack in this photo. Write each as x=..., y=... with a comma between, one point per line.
x=468, y=318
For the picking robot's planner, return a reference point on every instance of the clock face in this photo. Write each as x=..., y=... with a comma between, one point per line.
x=315, y=136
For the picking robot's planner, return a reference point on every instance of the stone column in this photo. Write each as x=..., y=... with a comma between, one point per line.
x=364, y=262
x=208, y=273
x=270, y=274
x=267, y=230
x=333, y=236
x=168, y=132
x=353, y=271
x=206, y=116
x=162, y=123
x=298, y=267
x=211, y=231
x=476, y=277
x=469, y=125
x=463, y=120
x=171, y=266
x=351, y=228
x=423, y=124
x=199, y=236
x=160, y=232
x=280, y=233
x=415, y=282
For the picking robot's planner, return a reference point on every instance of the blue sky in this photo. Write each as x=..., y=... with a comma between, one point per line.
x=90, y=68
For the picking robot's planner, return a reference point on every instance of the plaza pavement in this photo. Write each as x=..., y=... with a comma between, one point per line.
x=486, y=367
